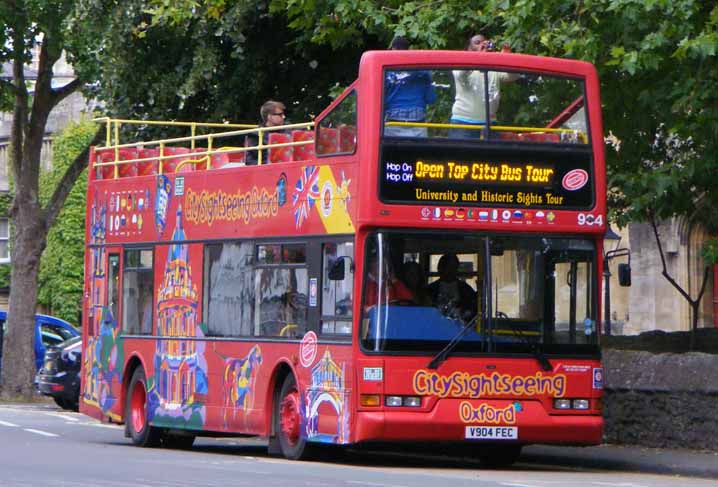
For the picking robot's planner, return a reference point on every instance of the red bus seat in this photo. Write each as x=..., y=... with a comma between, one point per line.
x=279, y=154
x=328, y=142
x=147, y=168
x=170, y=165
x=303, y=152
x=235, y=158
x=509, y=136
x=218, y=160
x=541, y=137
x=123, y=170
x=347, y=138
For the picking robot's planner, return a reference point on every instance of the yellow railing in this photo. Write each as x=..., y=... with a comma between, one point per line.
x=112, y=142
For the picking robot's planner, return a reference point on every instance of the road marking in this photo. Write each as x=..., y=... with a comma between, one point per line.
x=5, y=423
x=620, y=484
x=39, y=432
x=372, y=484
x=63, y=416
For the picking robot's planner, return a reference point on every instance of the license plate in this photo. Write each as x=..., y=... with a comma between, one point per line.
x=492, y=432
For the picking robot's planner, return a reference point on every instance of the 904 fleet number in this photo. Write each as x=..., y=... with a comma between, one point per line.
x=589, y=219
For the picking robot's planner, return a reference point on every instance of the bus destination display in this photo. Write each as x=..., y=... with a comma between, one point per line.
x=541, y=183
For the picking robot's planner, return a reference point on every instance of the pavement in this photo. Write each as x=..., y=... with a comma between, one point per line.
x=689, y=463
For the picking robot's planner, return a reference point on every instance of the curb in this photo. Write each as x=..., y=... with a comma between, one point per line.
x=689, y=463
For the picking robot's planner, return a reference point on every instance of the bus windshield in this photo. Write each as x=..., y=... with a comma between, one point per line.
x=522, y=293
x=454, y=103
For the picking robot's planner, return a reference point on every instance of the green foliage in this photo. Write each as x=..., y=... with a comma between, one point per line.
x=61, y=269
x=5, y=201
x=656, y=60
x=710, y=251
x=163, y=61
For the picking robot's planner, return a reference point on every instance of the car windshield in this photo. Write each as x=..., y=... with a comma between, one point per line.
x=517, y=294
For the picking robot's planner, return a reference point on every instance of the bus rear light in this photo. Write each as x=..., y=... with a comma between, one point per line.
x=370, y=400
x=582, y=404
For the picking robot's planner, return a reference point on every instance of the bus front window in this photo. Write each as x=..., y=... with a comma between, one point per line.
x=516, y=294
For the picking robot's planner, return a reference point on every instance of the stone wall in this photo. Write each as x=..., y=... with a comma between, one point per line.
x=661, y=400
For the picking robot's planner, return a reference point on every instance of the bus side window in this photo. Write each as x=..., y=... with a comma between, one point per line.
x=336, y=132
x=337, y=294
x=137, y=292
x=282, y=283
x=228, y=297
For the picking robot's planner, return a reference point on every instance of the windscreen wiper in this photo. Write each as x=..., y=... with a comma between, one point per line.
x=441, y=356
x=533, y=346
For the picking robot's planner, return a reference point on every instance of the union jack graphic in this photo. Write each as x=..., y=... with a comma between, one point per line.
x=306, y=191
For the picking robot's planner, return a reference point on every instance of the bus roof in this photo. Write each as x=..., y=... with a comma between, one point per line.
x=374, y=60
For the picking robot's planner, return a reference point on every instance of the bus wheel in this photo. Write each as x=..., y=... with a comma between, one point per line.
x=497, y=456
x=287, y=421
x=138, y=426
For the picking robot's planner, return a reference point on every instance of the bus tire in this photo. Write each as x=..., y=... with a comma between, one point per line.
x=138, y=425
x=498, y=456
x=287, y=422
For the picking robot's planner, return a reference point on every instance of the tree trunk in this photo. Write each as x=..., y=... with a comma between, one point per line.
x=18, y=367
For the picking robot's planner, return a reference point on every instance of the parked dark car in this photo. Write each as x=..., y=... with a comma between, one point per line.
x=59, y=377
x=49, y=331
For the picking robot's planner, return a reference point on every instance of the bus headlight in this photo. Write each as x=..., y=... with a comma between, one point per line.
x=412, y=401
x=393, y=401
x=581, y=403
x=562, y=403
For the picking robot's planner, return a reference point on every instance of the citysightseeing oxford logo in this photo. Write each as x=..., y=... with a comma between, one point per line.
x=209, y=207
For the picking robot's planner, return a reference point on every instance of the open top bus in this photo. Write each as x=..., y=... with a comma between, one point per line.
x=224, y=298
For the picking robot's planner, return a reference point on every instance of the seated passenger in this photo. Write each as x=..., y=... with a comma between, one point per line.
x=393, y=290
x=272, y=113
x=413, y=276
x=450, y=292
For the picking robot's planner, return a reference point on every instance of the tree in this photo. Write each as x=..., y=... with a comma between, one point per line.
x=206, y=67
x=26, y=24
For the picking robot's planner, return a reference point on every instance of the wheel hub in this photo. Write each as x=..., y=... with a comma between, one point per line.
x=289, y=417
x=137, y=406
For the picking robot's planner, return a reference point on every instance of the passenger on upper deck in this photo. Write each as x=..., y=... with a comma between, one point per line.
x=406, y=94
x=272, y=113
x=469, y=104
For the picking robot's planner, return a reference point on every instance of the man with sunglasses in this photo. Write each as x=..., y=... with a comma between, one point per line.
x=272, y=113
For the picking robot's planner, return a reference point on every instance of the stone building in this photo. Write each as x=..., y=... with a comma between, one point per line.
x=652, y=303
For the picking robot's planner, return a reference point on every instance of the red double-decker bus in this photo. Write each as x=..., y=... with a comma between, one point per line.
x=387, y=273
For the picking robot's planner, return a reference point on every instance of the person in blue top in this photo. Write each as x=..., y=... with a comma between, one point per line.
x=406, y=94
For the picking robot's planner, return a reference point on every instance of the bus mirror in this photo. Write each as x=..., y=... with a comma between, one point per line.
x=336, y=271
x=624, y=274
